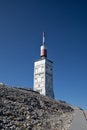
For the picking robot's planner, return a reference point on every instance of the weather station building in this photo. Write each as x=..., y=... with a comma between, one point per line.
x=43, y=73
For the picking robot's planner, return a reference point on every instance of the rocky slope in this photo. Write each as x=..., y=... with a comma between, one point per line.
x=85, y=114
x=23, y=109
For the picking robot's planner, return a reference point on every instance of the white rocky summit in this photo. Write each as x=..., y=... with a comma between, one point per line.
x=25, y=109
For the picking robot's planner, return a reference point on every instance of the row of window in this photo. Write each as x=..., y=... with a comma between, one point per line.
x=39, y=79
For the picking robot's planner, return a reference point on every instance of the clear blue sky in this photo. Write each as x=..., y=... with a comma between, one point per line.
x=65, y=23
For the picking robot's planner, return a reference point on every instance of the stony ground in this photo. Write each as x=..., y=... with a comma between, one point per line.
x=23, y=109
x=85, y=114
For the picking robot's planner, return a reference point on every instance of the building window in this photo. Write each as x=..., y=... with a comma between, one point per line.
x=42, y=79
x=38, y=85
x=40, y=90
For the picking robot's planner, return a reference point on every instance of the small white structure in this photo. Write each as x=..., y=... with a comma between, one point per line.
x=43, y=73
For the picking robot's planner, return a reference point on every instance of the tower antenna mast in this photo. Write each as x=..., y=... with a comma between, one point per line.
x=43, y=38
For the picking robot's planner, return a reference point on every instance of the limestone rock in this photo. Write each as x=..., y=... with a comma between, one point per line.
x=24, y=109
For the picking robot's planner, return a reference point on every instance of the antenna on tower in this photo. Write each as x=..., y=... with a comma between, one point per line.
x=43, y=50
x=43, y=38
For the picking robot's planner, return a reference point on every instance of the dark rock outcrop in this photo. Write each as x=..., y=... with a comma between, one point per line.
x=23, y=109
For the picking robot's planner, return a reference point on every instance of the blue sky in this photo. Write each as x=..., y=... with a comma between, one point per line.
x=65, y=23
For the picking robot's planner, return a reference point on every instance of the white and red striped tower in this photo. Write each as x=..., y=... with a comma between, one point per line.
x=43, y=73
x=43, y=50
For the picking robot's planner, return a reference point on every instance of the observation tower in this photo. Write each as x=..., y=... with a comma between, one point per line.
x=43, y=73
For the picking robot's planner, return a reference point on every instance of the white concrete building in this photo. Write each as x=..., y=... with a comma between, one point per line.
x=43, y=73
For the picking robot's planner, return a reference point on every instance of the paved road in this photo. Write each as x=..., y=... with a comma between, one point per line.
x=79, y=122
